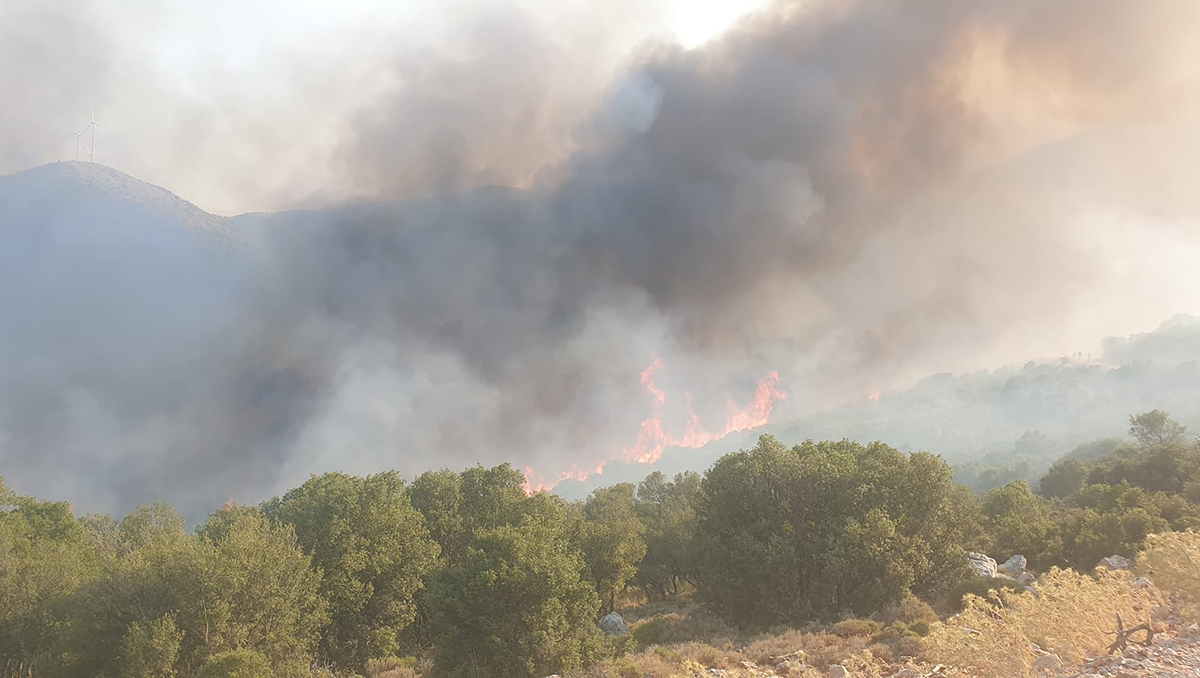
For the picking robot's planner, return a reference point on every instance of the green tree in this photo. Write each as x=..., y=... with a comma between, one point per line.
x=612, y=540
x=437, y=495
x=237, y=664
x=151, y=650
x=149, y=523
x=1019, y=521
x=1063, y=479
x=45, y=555
x=1155, y=428
x=375, y=552
x=668, y=510
x=250, y=589
x=778, y=527
x=518, y=605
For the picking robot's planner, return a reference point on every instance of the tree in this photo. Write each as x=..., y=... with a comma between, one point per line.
x=45, y=555
x=375, y=552
x=1155, y=428
x=668, y=510
x=437, y=495
x=456, y=504
x=612, y=540
x=151, y=650
x=1019, y=521
x=518, y=605
x=778, y=529
x=250, y=588
x=1063, y=479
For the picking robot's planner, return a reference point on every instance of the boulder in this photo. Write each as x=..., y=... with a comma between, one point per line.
x=1026, y=579
x=1013, y=567
x=1116, y=563
x=838, y=671
x=981, y=565
x=614, y=625
x=1044, y=660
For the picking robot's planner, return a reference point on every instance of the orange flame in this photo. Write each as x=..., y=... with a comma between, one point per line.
x=653, y=438
x=874, y=394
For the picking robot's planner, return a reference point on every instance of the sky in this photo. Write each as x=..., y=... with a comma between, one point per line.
x=185, y=89
x=707, y=205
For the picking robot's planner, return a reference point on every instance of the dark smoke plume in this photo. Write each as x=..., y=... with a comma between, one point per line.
x=854, y=194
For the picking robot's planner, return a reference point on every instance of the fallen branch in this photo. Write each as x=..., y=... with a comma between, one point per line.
x=1124, y=635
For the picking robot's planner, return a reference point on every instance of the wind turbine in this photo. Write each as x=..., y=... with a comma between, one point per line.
x=92, y=126
x=78, y=137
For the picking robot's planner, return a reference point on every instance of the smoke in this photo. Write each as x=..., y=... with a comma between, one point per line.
x=853, y=194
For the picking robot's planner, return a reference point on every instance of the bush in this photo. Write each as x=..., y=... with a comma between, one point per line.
x=909, y=610
x=856, y=627
x=919, y=627
x=236, y=664
x=1171, y=560
x=893, y=633
x=392, y=667
x=673, y=627
x=1071, y=618
x=981, y=587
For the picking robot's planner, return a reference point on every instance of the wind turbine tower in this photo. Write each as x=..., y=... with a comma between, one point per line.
x=92, y=126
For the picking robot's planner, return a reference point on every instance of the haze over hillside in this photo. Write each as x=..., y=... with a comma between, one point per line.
x=577, y=242
x=157, y=348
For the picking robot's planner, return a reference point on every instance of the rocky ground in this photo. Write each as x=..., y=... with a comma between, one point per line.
x=1175, y=654
x=1169, y=657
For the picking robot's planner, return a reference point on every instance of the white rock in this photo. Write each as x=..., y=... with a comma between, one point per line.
x=614, y=625
x=981, y=565
x=1014, y=566
x=1026, y=578
x=838, y=671
x=1115, y=562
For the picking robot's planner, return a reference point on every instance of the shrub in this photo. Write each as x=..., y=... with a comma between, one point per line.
x=909, y=610
x=981, y=587
x=1172, y=561
x=696, y=624
x=392, y=667
x=236, y=664
x=652, y=631
x=919, y=627
x=1070, y=618
x=856, y=627
x=893, y=633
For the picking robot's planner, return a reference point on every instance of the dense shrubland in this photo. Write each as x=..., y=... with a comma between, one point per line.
x=463, y=574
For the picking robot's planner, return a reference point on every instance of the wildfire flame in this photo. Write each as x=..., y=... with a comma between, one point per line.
x=653, y=439
x=874, y=394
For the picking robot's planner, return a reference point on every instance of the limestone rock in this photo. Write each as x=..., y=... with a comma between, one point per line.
x=981, y=565
x=614, y=625
x=1013, y=567
x=838, y=671
x=1115, y=562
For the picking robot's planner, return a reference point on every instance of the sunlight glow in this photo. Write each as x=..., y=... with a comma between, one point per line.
x=698, y=21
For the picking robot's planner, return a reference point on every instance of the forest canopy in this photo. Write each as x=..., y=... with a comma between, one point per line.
x=464, y=568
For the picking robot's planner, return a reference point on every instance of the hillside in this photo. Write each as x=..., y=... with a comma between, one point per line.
x=1035, y=412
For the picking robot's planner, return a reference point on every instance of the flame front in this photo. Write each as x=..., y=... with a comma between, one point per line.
x=653, y=439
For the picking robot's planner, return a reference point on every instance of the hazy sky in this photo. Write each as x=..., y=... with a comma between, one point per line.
x=191, y=94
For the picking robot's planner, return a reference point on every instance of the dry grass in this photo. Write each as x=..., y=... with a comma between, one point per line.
x=1172, y=561
x=1069, y=618
x=392, y=667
